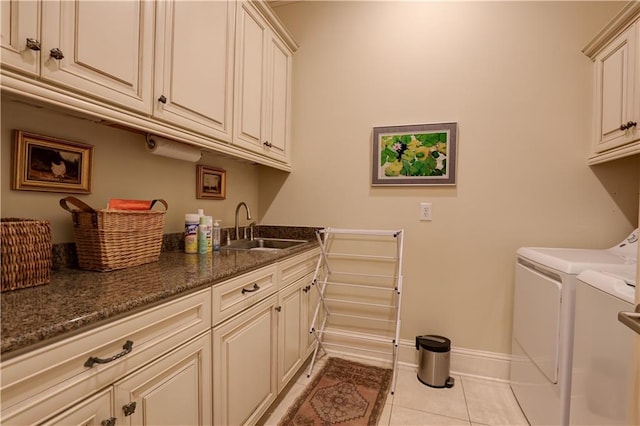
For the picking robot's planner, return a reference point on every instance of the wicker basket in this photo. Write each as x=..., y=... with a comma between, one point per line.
x=107, y=240
x=25, y=253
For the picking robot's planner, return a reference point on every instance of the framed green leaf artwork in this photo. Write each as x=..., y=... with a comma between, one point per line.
x=418, y=154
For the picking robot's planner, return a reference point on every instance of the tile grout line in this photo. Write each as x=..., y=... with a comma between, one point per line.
x=466, y=403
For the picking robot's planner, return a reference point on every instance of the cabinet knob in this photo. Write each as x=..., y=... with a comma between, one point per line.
x=267, y=144
x=129, y=409
x=278, y=308
x=111, y=421
x=33, y=44
x=56, y=53
x=162, y=99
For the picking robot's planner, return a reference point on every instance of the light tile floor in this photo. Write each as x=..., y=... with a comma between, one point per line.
x=471, y=401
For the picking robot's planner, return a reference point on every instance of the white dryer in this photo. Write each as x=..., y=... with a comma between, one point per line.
x=543, y=320
x=603, y=346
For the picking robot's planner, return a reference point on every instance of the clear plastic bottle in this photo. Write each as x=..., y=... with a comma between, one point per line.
x=202, y=235
x=191, y=222
x=216, y=235
x=209, y=234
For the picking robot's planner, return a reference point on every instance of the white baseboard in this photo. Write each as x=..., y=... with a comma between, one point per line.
x=463, y=362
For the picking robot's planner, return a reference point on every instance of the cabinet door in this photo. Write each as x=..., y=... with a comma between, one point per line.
x=194, y=65
x=95, y=410
x=173, y=390
x=20, y=22
x=292, y=304
x=250, y=77
x=616, y=104
x=244, y=365
x=105, y=49
x=279, y=107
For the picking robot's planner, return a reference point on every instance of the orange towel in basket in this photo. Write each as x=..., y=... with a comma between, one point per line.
x=119, y=204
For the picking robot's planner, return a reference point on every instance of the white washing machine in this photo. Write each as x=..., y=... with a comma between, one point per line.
x=543, y=318
x=602, y=349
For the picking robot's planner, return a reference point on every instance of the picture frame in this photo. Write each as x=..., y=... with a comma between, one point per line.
x=418, y=154
x=211, y=183
x=47, y=164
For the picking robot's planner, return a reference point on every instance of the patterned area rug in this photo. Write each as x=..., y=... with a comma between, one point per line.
x=342, y=393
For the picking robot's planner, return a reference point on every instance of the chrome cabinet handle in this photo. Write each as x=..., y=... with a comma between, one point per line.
x=631, y=319
x=255, y=287
x=128, y=347
x=33, y=44
x=56, y=53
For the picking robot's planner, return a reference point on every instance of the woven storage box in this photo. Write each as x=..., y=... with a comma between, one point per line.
x=25, y=253
x=107, y=240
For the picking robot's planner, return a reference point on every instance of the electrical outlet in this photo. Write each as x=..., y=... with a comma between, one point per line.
x=425, y=211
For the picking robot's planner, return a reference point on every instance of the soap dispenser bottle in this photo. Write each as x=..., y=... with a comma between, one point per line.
x=216, y=235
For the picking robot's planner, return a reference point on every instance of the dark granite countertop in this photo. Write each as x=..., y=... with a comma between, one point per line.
x=75, y=301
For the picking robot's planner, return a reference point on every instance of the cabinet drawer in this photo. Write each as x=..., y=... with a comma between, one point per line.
x=56, y=376
x=296, y=267
x=230, y=297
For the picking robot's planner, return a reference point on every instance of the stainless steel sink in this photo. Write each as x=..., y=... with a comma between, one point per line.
x=263, y=244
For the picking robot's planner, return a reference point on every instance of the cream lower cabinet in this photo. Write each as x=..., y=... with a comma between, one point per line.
x=159, y=359
x=296, y=304
x=175, y=389
x=260, y=337
x=293, y=329
x=244, y=360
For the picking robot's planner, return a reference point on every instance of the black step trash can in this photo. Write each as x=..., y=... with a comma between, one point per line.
x=433, y=364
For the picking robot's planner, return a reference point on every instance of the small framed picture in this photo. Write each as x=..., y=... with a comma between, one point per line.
x=421, y=154
x=42, y=163
x=211, y=183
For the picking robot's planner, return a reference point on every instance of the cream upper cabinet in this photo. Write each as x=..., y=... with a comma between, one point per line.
x=20, y=36
x=100, y=48
x=616, y=55
x=245, y=364
x=617, y=105
x=262, y=86
x=201, y=72
x=279, y=107
x=194, y=65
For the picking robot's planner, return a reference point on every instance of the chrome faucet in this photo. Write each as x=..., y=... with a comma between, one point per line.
x=240, y=204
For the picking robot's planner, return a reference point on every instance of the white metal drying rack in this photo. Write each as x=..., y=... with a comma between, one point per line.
x=353, y=287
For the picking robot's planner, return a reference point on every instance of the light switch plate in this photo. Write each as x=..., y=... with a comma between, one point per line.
x=425, y=211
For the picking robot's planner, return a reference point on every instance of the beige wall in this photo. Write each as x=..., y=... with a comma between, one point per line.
x=122, y=169
x=513, y=76
x=510, y=73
